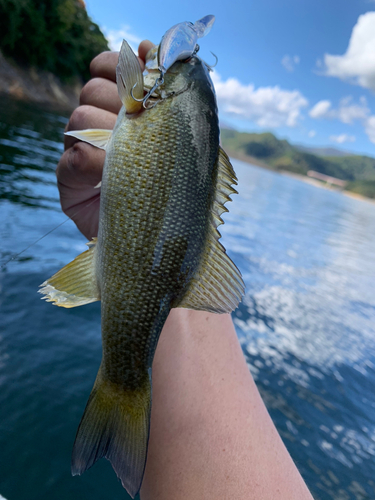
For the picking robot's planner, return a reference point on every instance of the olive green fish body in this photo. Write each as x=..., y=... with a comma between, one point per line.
x=165, y=183
x=157, y=190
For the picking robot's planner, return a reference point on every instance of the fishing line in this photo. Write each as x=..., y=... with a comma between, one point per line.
x=46, y=234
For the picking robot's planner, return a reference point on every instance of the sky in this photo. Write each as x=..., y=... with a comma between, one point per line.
x=301, y=69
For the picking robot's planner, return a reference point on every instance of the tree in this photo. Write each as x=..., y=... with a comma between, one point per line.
x=53, y=35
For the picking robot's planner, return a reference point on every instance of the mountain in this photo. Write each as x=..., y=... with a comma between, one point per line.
x=323, y=150
x=268, y=151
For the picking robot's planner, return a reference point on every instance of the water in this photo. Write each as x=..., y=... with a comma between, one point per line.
x=306, y=325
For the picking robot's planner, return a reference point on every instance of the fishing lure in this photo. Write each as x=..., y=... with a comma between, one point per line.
x=178, y=43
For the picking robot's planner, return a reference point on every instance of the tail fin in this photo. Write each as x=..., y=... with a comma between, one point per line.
x=115, y=425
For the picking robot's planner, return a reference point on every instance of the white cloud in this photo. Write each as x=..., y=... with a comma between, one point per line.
x=347, y=111
x=266, y=106
x=340, y=139
x=320, y=110
x=370, y=128
x=290, y=62
x=312, y=133
x=115, y=38
x=357, y=65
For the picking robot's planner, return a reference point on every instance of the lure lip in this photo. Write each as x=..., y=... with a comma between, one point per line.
x=203, y=26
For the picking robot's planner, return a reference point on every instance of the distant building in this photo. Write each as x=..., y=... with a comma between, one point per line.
x=331, y=181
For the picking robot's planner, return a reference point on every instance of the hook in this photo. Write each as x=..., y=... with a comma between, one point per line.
x=159, y=81
x=213, y=65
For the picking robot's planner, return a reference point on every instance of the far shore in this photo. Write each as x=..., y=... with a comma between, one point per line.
x=308, y=180
x=322, y=185
x=29, y=84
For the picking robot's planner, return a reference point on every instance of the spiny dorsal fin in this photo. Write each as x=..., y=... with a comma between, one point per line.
x=217, y=286
x=128, y=74
x=75, y=284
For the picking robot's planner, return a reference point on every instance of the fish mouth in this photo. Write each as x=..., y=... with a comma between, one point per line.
x=132, y=116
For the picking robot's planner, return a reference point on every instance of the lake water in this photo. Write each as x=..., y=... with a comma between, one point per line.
x=306, y=325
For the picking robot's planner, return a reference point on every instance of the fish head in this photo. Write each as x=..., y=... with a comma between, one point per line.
x=180, y=75
x=179, y=78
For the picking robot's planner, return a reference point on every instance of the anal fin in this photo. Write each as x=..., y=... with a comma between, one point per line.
x=75, y=284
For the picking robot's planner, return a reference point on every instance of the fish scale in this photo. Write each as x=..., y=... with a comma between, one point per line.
x=147, y=229
x=165, y=181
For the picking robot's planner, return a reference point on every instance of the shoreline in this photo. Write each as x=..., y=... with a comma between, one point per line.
x=303, y=178
x=315, y=182
x=30, y=85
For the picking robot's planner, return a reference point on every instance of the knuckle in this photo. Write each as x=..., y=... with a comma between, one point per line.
x=61, y=166
x=91, y=91
x=78, y=118
x=83, y=159
x=77, y=157
x=73, y=164
x=97, y=63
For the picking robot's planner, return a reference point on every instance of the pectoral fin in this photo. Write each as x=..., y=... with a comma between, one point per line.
x=95, y=136
x=217, y=285
x=75, y=284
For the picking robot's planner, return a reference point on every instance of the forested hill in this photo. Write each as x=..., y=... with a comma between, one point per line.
x=265, y=149
x=56, y=36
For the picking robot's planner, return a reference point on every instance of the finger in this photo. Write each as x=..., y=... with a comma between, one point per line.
x=101, y=93
x=85, y=215
x=78, y=172
x=144, y=47
x=85, y=117
x=104, y=65
x=80, y=167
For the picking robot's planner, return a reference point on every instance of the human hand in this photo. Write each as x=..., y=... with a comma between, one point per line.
x=80, y=167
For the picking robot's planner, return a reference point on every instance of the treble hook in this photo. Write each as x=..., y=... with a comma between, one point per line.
x=159, y=81
x=213, y=65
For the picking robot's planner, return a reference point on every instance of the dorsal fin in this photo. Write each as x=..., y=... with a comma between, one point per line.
x=128, y=74
x=217, y=285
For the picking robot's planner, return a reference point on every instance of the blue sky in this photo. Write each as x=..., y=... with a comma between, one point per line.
x=302, y=69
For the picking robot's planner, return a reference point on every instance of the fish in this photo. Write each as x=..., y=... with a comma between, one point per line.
x=165, y=183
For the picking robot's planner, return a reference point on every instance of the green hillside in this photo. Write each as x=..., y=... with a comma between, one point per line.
x=277, y=154
x=52, y=35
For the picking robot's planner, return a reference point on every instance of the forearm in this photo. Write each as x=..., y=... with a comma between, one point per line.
x=211, y=436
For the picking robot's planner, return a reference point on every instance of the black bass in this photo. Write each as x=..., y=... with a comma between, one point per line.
x=165, y=183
